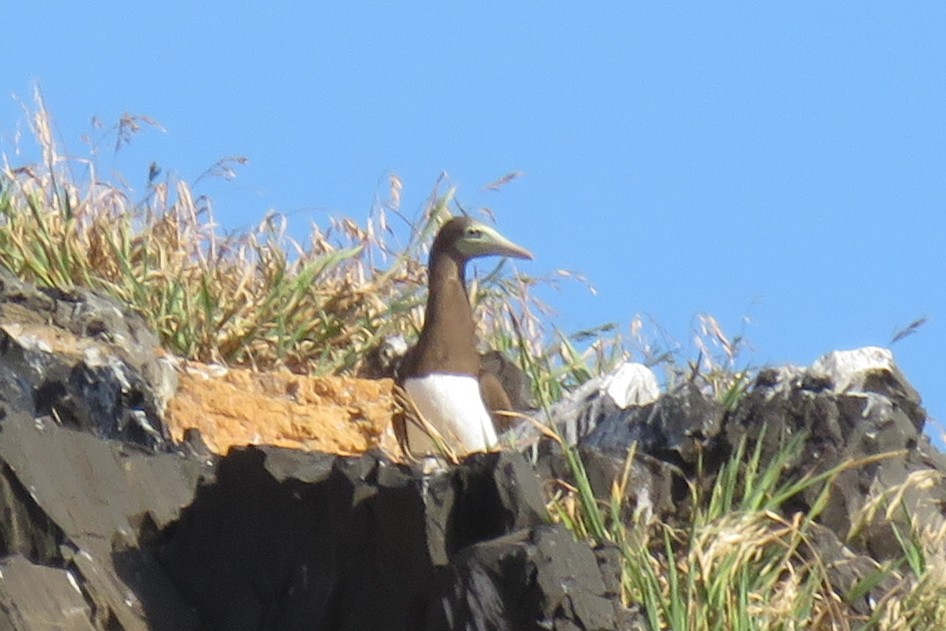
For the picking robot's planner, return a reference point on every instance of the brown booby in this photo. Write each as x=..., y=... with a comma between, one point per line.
x=442, y=374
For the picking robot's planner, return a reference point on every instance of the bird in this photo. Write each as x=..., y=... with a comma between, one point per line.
x=443, y=374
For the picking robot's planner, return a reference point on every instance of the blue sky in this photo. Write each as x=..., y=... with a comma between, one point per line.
x=785, y=162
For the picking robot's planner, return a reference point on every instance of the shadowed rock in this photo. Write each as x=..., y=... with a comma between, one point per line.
x=290, y=540
x=85, y=507
x=530, y=579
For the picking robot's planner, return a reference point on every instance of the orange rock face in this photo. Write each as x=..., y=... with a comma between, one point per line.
x=235, y=407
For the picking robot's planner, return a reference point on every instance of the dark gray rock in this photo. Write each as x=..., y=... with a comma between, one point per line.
x=292, y=540
x=112, y=528
x=489, y=496
x=343, y=543
x=677, y=427
x=530, y=579
x=86, y=506
x=672, y=437
x=84, y=360
x=851, y=406
x=41, y=598
x=630, y=386
x=848, y=407
x=280, y=539
x=845, y=570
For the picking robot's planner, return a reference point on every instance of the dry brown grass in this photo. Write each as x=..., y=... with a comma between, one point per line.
x=259, y=298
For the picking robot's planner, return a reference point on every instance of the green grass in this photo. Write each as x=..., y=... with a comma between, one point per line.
x=739, y=564
x=256, y=298
x=261, y=299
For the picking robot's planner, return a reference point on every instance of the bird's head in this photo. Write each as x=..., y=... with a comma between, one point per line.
x=465, y=238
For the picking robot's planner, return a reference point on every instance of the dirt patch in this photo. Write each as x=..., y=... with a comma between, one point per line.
x=235, y=407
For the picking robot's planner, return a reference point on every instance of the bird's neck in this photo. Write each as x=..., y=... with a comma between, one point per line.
x=449, y=332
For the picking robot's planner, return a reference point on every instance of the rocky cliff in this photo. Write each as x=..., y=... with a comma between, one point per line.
x=141, y=493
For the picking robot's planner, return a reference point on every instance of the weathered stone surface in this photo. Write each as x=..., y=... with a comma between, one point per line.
x=82, y=359
x=677, y=427
x=670, y=436
x=850, y=406
x=234, y=408
x=41, y=598
x=630, y=386
x=83, y=504
x=530, y=579
x=90, y=363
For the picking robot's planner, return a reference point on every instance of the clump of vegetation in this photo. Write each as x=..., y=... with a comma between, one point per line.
x=263, y=299
x=258, y=298
x=738, y=563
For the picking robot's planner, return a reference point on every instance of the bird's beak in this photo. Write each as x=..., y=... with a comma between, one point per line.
x=491, y=243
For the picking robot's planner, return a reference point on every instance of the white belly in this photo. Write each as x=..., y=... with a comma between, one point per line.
x=454, y=406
